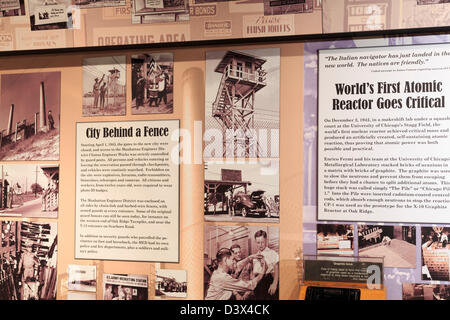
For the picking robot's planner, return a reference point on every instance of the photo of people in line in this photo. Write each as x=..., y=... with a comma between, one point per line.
x=241, y=263
x=125, y=287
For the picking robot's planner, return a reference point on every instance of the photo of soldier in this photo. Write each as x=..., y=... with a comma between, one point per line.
x=104, y=86
x=152, y=83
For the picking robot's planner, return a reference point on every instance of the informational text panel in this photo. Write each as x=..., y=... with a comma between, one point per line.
x=383, y=134
x=127, y=191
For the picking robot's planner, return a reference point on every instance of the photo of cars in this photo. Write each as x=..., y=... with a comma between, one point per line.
x=242, y=191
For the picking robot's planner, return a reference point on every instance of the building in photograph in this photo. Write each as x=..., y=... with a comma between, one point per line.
x=171, y=283
x=241, y=191
x=29, y=190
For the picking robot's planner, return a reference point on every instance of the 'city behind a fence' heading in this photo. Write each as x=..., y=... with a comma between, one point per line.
x=127, y=132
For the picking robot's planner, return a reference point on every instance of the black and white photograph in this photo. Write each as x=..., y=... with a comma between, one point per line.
x=28, y=259
x=29, y=191
x=87, y=4
x=208, y=1
x=125, y=287
x=12, y=8
x=171, y=283
x=159, y=11
x=85, y=296
x=277, y=7
x=335, y=239
x=30, y=109
x=152, y=83
x=50, y=14
x=396, y=244
x=242, y=103
x=425, y=291
x=104, y=86
x=241, y=191
x=241, y=262
x=435, y=253
x=419, y=2
x=82, y=278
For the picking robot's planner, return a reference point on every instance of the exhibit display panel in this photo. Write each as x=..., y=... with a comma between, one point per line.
x=372, y=15
x=413, y=253
x=124, y=186
x=345, y=278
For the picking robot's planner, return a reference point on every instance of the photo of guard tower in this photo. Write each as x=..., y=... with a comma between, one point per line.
x=242, y=103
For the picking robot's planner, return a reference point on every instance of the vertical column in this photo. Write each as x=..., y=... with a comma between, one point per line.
x=42, y=111
x=190, y=97
x=15, y=136
x=36, y=122
x=10, y=121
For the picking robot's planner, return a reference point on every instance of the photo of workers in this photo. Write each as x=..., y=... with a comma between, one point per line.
x=171, y=283
x=104, y=86
x=125, y=287
x=29, y=190
x=241, y=262
x=152, y=83
x=397, y=244
x=28, y=258
x=435, y=253
x=240, y=192
x=335, y=239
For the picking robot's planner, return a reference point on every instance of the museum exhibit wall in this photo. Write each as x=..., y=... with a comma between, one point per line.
x=69, y=77
x=189, y=106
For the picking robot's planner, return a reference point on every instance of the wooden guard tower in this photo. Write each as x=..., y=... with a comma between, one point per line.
x=50, y=198
x=234, y=106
